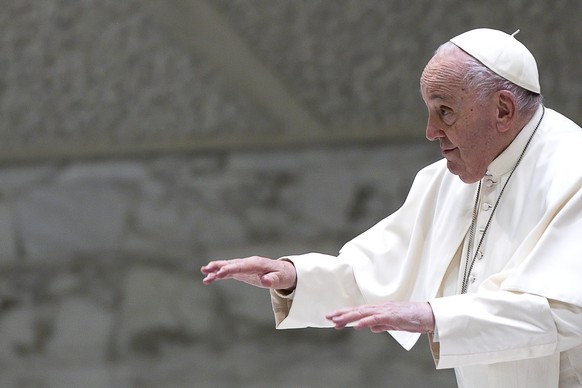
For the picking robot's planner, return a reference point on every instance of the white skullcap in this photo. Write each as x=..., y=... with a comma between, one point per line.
x=502, y=54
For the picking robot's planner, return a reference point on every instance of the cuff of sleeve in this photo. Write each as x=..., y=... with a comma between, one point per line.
x=488, y=328
x=283, y=294
x=281, y=306
x=435, y=348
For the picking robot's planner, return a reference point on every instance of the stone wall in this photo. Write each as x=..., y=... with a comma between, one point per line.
x=101, y=287
x=85, y=78
x=110, y=201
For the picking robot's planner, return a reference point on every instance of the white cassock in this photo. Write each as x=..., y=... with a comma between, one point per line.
x=520, y=323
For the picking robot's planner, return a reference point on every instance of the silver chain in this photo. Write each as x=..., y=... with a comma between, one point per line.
x=469, y=263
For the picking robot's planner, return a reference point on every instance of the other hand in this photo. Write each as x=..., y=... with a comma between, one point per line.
x=255, y=270
x=416, y=317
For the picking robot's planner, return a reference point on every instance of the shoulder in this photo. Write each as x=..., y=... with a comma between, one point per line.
x=557, y=153
x=558, y=141
x=558, y=131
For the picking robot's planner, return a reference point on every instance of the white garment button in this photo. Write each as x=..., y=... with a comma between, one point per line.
x=489, y=182
x=479, y=255
x=472, y=279
x=486, y=206
x=481, y=230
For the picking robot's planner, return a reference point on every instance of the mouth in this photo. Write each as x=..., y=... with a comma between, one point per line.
x=447, y=151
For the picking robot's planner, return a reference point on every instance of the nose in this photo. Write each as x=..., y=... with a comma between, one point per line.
x=433, y=132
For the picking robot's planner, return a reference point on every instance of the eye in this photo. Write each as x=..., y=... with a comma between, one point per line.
x=446, y=115
x=443, y=111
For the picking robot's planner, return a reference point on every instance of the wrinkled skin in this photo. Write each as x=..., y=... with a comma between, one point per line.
x=413, y=317
x=471, y=131
x=255, y=270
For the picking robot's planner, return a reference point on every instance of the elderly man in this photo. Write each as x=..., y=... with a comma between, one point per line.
x=485, y=255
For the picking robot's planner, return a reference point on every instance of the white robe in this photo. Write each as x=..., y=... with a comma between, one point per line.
x=520, y=324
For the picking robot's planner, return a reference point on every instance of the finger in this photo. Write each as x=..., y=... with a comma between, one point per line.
x=213, y=266
x=372, y=321
x=269, y=280
x=343, y=312
x=225, y=269
x=337, y=313
x=209, y=279
x=239, y=266
x=215, y=270
x=344, y=317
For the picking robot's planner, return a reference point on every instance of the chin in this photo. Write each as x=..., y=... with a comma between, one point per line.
x=469, y=180
x=463, y=175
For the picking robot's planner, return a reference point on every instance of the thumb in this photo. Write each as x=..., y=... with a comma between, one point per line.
x=270, y=280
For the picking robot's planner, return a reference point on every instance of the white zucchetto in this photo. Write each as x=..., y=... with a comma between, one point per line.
x=502, y=54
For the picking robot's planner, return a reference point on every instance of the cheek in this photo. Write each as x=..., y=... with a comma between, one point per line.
x=457, y=134
x=473, y=134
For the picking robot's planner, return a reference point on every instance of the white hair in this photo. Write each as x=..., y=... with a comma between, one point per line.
x=485, y=82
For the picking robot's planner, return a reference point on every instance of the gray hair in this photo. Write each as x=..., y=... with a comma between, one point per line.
x=485, y=82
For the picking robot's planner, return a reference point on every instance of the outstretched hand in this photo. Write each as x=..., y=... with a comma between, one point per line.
x=415, y=317
x=255, y=270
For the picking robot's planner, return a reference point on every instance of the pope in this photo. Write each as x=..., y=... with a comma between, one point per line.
x=484, y=256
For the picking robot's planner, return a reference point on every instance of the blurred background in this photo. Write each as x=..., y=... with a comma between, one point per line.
x=142, y=138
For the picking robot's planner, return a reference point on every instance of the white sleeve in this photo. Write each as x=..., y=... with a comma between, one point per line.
x=500, y=326
x=568, y=319
x=324, y=284
x=492, y=327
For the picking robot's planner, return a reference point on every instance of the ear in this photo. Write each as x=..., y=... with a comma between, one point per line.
x=506, y=110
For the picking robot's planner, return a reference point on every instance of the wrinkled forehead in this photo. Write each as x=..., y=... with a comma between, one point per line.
x=444, y=76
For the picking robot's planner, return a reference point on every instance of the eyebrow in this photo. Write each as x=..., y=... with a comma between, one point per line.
x=438, y=96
